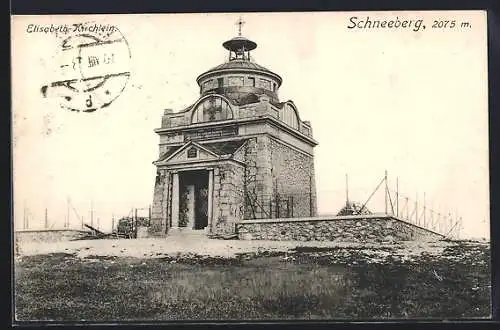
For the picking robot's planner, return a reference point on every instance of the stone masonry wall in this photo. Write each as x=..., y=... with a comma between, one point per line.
x=293, y=175
x=228, y=198
x=338, y=229
x=160, y=206
x=256, y=181
x=273, y=168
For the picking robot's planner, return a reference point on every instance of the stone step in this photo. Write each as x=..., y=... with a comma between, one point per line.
x=181, y=232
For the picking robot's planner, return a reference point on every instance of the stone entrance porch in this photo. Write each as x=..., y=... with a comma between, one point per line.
x=192, y=192
x=199, y=196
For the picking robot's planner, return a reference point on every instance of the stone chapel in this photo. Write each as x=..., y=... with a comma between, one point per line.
x=236, y=153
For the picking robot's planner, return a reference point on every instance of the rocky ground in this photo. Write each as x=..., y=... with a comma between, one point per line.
x=195, y=278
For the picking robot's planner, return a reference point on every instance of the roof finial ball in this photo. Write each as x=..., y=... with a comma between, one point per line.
x=239, y=47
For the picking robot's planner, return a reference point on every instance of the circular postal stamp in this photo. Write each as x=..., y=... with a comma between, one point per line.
x=93, y=67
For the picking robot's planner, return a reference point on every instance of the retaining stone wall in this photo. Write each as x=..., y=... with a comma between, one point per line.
x=358, y=230
x=47, y=236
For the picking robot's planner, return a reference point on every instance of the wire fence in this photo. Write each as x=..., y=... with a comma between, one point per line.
x=418, y=212
x=383, y=199
x=415, y=210
x=265, y=206
x=66, y=215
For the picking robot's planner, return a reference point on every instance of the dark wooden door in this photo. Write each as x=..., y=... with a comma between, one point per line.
x=201, y=208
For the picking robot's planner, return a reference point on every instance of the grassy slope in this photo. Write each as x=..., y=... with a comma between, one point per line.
x=317, y=284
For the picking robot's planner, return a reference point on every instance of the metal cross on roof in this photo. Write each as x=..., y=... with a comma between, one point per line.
x=240, y=22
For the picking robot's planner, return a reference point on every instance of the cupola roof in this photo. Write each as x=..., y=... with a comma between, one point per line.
x=239, y=58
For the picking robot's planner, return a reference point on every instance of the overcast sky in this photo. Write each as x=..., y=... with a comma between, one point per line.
x=412, y=103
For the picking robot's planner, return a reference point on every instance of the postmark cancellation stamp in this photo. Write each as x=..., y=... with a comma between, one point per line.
x=92, y=67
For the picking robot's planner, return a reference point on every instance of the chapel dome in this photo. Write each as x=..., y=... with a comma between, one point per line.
x=240, y=64
x=240, y=76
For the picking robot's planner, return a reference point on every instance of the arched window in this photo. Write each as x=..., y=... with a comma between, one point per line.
x=289, y=116
x=212, y=108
